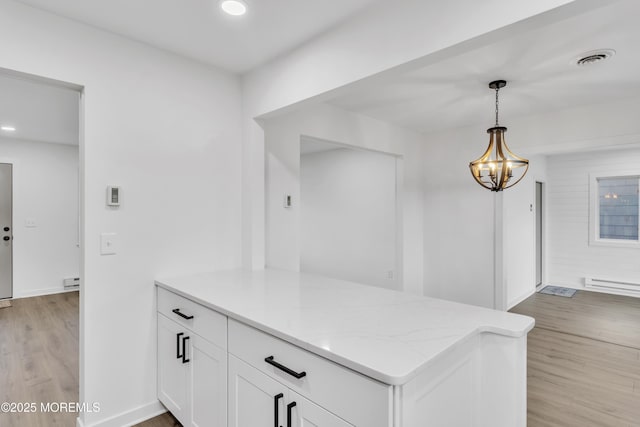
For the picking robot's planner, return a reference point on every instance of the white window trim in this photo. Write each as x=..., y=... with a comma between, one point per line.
x=594, y=211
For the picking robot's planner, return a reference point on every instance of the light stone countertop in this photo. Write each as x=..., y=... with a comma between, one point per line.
x=387, y=335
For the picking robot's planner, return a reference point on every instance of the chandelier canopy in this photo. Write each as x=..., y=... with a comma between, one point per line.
x=498, y=168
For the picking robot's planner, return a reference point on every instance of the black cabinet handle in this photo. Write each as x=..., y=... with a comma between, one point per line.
x=6, y=238
x=184, y=350
x=290, y=406
x=276, y=408
x=291, y=372
x=178, y=355
x=184, y=316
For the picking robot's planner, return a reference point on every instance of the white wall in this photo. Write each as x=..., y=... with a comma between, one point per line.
x=167, y=130
x=519, y=244
x=45, y=189
x=381, y=42
x=348, y=215
x=333, y=124
x=458, y=220
x=571, y=258
x=460, y=216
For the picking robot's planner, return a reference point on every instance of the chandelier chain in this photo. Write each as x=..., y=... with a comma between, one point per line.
x=497, y=90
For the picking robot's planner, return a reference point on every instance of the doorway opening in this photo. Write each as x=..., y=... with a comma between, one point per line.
x=40, y=251
x=350, y=213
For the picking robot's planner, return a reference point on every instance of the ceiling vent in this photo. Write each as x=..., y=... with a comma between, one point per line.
x=593, y=57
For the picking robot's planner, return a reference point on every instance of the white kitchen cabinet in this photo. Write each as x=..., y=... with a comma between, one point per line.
x=172, y=373
x=192, y=371
x=207, y=383
x=325, y=383
x=283, y=349
x=307, y=414
x=256, y=400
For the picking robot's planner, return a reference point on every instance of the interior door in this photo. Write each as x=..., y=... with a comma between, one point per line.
x=6, y=231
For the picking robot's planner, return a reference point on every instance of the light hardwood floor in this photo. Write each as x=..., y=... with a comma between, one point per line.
x=583, y=360
x=39, y=358
x=164, y=420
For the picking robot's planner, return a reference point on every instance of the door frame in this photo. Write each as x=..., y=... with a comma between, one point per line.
x=542, y=231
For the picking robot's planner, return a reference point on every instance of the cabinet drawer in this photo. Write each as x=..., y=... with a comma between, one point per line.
x=356, y=398
x=207, y=323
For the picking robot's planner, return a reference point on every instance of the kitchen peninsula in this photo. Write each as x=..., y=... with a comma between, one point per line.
x=275, y=348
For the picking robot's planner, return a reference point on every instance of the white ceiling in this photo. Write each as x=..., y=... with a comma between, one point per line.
x=198, y=29
x=454, y=92
x=39, y=111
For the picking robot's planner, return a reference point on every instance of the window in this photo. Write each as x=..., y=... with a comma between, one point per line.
x=614, y=210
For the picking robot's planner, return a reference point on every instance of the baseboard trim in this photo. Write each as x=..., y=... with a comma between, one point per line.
x=129, y=418
x=41, y=292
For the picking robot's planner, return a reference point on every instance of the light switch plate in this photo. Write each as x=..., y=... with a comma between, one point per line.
x=287, y=202
x=108, y=243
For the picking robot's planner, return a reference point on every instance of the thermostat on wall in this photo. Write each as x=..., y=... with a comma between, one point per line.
x=113, y=196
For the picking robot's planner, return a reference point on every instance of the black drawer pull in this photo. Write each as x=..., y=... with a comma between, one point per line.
x=184, y=316
x=178, y=355
x=184, y=350
x=291, y=372
x=290, y=406
x=276, y=408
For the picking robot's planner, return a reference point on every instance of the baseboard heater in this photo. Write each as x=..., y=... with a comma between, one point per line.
x=611, y=284
x=72, y=283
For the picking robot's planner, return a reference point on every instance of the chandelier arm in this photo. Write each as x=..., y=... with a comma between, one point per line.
x=519, y=179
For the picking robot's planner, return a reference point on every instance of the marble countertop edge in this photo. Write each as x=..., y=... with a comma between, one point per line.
x=392, y=376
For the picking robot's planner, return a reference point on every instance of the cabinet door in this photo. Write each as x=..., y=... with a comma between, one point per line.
x=208, y=383
x=308, y=414
x=255, y=400
x=173, y=374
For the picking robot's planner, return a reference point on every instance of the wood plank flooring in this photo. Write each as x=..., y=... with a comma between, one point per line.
x=610, y=318
x=164, y=420
x=583, y=360
x=39, y=358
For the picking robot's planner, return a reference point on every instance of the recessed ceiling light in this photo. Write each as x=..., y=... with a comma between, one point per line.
x=234, y=7
x=8, y=128
x=593, y=57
